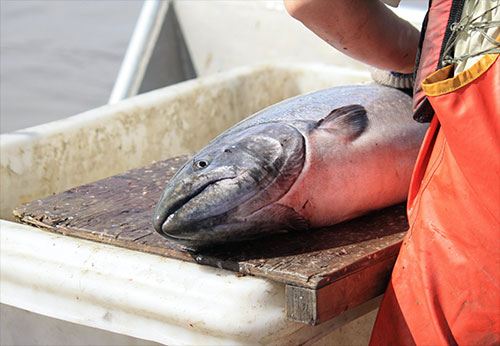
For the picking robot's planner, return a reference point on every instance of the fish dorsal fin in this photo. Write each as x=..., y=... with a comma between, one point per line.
x=349, y=121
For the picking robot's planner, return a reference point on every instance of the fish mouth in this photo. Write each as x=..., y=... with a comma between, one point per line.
x=188, y=242
x=199, y=240
x=165, y=222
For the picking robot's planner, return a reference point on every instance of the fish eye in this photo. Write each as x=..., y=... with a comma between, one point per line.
x=201, y=164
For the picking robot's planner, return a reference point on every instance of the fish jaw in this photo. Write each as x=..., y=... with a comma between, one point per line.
x=219, y=202
x=273, y=218
x=203, y=207
x=182, y=190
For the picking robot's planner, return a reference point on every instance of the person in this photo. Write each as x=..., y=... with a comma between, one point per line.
x=445, y=286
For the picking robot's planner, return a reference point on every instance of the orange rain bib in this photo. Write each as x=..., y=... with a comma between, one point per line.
x=445, y=287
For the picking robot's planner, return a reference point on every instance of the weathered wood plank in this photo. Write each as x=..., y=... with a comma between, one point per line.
x=315, y=306
x=319, y=257
x=118, y=210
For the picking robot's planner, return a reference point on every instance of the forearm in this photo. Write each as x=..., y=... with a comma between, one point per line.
x=363, y=29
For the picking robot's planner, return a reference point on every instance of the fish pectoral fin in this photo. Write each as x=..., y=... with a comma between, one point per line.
x=280, y=216
x=349, y=121
x=296, y=221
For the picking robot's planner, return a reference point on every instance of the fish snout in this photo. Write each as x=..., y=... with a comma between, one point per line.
x=169, y=226
x=157, y=223
x=188, y=204
x=172, y=227
x=191, y=234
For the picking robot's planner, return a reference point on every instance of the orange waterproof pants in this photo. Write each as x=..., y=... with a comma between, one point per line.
x=445, y=287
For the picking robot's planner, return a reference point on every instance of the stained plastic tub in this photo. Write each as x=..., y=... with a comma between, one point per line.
x=128, y=294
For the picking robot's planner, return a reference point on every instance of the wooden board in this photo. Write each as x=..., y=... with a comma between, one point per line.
x=337, y=267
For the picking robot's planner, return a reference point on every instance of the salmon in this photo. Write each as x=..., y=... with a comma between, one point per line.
x=307, y=162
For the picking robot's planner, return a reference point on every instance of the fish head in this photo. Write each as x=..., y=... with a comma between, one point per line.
x=228, y=191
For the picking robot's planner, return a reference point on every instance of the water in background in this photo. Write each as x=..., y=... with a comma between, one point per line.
x=59, y=58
